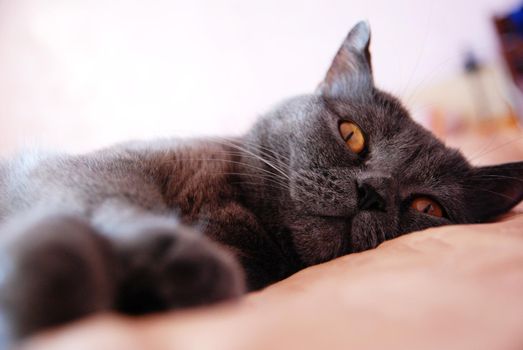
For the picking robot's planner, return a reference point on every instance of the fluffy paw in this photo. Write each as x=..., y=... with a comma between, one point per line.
x=165, y=269
x=53, y=272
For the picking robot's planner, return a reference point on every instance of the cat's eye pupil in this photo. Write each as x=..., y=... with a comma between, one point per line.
x=353, y=136
x=427, y=206
x=348, y=137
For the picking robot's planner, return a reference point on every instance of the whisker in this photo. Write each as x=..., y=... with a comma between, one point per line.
x=264, y=177
x=284, y=167
x=267, y=151
x=497, y=148
x=232, y=162
x=422, y=50
x=270, y=164
x=261, y=149
x=489, y=191
x=487, y=176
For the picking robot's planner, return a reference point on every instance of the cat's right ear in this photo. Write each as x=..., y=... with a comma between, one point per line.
x=494, y=190
x=350, y=74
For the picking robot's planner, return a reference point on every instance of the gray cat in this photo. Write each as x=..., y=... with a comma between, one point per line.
x=146, y=227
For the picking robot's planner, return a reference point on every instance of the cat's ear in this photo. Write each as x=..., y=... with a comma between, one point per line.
x=494, y=190
x=350, y=74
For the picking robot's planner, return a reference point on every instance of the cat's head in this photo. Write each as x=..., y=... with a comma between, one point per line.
x=345, y=168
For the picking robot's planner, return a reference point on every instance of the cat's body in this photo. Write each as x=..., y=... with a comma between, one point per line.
x=196, y=183
x=323, y=175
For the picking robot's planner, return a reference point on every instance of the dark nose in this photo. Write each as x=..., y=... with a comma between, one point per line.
x=369, y=198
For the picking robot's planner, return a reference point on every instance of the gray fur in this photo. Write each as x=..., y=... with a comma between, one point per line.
x=145, y=227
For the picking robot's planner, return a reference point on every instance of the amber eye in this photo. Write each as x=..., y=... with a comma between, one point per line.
x=353, y=136
x=427, y=206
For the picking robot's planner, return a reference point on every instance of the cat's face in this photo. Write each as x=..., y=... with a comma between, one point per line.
x=350, y=169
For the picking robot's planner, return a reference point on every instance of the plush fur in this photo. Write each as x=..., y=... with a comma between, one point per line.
x=145, y=227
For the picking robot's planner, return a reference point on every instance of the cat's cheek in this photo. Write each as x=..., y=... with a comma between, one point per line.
x=327, y=192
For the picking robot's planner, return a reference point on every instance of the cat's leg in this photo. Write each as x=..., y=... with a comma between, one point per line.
x=165, y=265
x=54, y=268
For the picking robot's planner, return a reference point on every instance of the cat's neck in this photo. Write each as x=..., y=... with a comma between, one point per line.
x=216, y=185
x=195, y=176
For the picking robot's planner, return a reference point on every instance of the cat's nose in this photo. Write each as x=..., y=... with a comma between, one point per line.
x=369, y=198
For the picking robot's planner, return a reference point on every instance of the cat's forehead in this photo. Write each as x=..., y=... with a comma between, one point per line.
x=378, y=112
x=417, y=156
x=396, y=143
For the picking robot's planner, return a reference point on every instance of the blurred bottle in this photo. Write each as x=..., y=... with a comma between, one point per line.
x=509, y=29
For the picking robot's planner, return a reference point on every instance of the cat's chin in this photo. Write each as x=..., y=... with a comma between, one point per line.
x=318, y=239
x=368, y=230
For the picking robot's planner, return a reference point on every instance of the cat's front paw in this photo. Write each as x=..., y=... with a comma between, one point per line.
x=56, y=270
x=166, y=269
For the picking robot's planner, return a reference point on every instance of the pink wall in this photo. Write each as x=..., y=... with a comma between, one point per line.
x=80, y=74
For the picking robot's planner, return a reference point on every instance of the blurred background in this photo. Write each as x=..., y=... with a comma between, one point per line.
x=77, y=75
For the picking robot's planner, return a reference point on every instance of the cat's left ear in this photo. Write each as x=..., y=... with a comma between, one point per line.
x=494, y=190
x=350, y=74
